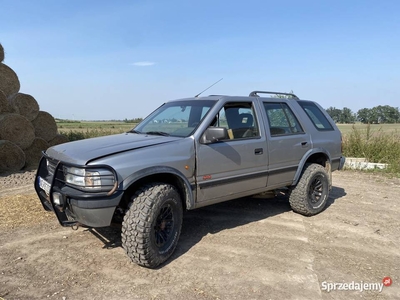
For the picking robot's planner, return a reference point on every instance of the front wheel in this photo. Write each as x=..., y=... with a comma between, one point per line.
x=310, y=195
x=152, y=224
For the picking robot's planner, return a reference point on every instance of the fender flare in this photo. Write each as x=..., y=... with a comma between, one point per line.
x=305, y=158
x=127, y=182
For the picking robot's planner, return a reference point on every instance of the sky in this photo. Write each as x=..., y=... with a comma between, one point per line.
x=115, y=60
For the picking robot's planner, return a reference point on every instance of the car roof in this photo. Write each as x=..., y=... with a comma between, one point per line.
x=252, y=95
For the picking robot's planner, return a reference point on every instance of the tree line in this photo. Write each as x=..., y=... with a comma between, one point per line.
x=377, y=115
x=134, y=120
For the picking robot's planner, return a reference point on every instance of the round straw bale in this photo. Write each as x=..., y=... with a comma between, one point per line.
x=4, y=105
x=9, y=82
x=12, y=158
x=59, y=139
x=17, y=129
x=34, y=152
x=25, y=105
x=45, y=126
x=1, y=53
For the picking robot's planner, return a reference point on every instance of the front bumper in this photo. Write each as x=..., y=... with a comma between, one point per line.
x=72, y=206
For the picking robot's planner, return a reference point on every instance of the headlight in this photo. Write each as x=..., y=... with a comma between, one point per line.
x=92, y=179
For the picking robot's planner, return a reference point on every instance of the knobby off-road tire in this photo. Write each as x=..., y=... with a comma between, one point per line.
x=310, y=195
x=152, y=224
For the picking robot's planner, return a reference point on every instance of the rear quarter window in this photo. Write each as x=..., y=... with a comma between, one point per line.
x=316, y=116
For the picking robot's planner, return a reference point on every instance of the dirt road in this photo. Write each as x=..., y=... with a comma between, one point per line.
x=249, y=248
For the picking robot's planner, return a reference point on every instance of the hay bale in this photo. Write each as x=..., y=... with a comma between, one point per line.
x=59, y=139
x=34, y=152
x=4, y=105
x=17, y=129
x=9, y=82
x=45, y=126
x=1, y=53
x=25, y=105
x=12, y=158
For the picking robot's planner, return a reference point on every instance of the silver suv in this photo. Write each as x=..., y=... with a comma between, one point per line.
x=187, y=154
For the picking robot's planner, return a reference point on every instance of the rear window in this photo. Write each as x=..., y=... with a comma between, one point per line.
x=316, y=116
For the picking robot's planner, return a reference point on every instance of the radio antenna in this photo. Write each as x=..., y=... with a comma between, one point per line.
x=207, y=88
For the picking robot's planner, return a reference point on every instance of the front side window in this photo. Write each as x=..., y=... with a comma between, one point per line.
x=178, y=118
x=281, y=119
x=239, y=119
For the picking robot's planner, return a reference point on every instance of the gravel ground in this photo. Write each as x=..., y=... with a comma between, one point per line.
x=249, y=248
x=14, y=182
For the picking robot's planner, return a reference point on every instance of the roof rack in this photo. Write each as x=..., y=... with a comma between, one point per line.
x=255, y=94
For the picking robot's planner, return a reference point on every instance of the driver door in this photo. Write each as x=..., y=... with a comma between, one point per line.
x=236, y=166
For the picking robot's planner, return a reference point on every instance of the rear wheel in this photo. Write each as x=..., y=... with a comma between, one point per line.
x=152, y=224
x=310, y=195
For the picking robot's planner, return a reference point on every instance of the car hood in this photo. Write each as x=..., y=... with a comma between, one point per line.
x=83, y=151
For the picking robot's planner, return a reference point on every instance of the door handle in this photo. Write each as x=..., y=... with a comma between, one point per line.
x=258, y=151
x=303, y=144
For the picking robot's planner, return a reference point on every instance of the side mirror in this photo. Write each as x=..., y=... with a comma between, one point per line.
x=214, y=134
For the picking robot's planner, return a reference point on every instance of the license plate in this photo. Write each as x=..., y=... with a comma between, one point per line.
x=44, y=185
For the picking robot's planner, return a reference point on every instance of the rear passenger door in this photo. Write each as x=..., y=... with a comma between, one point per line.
x=287, y=142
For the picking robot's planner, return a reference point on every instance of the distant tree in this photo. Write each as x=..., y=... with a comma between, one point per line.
x=135, y=120
x=379, y=114
x=347, y=116
x=364, y=115
x=283, y=96
x=334, y=113
x=387, y=114
x=394, y=115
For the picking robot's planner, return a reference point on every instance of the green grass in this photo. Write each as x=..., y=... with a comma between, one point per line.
x=80, y=130
x=376, y=144
x=81, y=126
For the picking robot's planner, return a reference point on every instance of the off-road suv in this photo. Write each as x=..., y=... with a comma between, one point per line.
x=187, y=154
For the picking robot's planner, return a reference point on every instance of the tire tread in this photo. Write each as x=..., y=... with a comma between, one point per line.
x=136, y=226
x=298, y=195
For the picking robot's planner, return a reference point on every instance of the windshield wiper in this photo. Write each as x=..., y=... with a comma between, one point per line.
x=158, y=133
x=134, y=131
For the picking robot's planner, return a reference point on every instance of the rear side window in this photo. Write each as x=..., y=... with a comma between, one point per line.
x=281, y=119
x=316, y=116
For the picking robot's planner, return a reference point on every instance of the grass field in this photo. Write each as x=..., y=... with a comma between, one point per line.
x=79, y=130
x=386, y=128
x=83, y=126
x=378, y=143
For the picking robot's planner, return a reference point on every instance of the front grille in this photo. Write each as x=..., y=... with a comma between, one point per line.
x=51, y=166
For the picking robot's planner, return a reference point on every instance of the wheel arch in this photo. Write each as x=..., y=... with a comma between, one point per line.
x=161, y=174
x=318, y=156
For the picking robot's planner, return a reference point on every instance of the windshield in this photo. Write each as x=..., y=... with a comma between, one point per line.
x=178, y=118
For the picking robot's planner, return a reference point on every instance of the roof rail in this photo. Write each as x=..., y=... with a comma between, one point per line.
x=255, y=94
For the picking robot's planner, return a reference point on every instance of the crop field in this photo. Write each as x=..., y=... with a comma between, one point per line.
x=106, y=126
x=78, y=130
x=385, y=128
